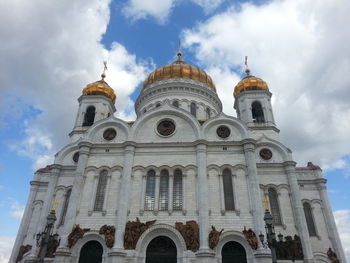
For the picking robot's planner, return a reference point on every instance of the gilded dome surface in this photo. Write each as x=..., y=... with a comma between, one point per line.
x=179, y=69
x=250, y=83
x=100, y=87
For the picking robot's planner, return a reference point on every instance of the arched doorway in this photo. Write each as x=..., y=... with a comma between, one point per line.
x=161, y=250
x=91, y=252
x=233, y=252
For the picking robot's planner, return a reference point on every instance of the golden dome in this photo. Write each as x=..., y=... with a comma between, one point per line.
x=179, y=69
x=100, y=87
x=250, y=83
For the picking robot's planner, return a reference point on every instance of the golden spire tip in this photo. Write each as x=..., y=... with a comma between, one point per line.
x=247, y=70
x=179, y=53
x=103, y=75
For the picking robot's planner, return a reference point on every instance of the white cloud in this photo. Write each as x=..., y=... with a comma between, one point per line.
x=342, y=219
x=6, y=244
x=49, y=53
x=208, y=5
x=300, y=49
x=16, y=210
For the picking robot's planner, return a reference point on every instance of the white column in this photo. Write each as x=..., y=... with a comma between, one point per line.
x=235, y=199
x=329, y=220
x=222, y=196
x=184, y=208
x=156, y=194
x=123, y=202
x=143, y=194
x=253, y=184
x=299, y=211
x=62, y=253
x=171, y=189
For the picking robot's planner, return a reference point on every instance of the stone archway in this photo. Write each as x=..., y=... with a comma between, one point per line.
x=233, y=252
x=91, y=252
x=161, y=250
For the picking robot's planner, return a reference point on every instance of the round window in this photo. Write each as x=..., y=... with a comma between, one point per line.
x=265, y=154
x=166, y=127
x=223, y=131
x=109, y=134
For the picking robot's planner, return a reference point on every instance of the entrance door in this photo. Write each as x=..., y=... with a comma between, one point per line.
x=161, y=250
x=233, y=252
x=91, y=252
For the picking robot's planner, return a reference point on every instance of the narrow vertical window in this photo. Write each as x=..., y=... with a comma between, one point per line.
x=275, y=210
x=150, y=190
x=176, y=103
x=65, y=207
x=309, y=219
x=89, y=116
x=177, y=190
x=164, y=190
x=257, y=112
x=101, y=191
x=193, y=109
x=228, y=191
x=208, y=112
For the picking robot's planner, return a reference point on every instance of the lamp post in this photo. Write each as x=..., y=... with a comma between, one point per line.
x=46, y=240
x=270, y=235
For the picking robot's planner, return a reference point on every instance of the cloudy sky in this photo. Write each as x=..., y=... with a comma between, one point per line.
x=50, y=50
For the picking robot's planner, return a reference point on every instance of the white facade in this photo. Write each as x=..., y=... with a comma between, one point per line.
x=201, y=155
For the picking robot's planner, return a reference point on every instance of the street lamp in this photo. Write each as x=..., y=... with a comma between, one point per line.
x=270, y=235
x=46, y=240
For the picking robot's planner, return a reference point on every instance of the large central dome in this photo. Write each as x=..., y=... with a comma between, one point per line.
x=179, y=69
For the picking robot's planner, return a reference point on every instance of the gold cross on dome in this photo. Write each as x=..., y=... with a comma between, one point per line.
x=266, y=204
x=103, y=75
x=54, y=204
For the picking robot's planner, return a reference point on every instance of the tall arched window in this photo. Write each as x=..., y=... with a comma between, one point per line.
x=257, y=112
x=176, y=103
x=101, y=191
x=164, y=190
x=193, y=109
x=208, y=112
x=177, y=190
x=228, y=190
x=150, y=190
x=275, y=210
x=89, y=116
x=65, y=207
x=309, y=219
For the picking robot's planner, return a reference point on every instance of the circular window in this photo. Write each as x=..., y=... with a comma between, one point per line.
x=166, y=127
x=265, y=154
x=76, y=157
x=109, y=134
x=223, y=131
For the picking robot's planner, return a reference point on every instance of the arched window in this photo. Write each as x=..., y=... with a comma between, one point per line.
x=309, y=219
x=65, y=207
x=233, y=251
x=257, y=112
x=208, y=112
x=275, y=210
x=161, y=250
x=176, y=103
x=150, y=190
x=91, y=252
x=228, y=190
x=193, y=109
x=101, y=191
x=164, y=190
x=177, y=190
x=89, y=116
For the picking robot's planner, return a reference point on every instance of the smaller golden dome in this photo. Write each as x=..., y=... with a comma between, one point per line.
x=250, y=83
x=100, y=87
x=179, y=69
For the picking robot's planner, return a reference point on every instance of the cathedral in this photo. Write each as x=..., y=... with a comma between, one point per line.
x=183, y=183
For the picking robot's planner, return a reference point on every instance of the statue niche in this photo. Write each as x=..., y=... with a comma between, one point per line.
x=190, y=233
x=214, y=237
x=108, y=232
x=133, y=231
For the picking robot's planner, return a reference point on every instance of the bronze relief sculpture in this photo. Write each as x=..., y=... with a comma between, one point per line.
x=133, y=231
x=250, y=237
x=76, y=234
x=190, y=233
x=214, y=237
x=108, y=232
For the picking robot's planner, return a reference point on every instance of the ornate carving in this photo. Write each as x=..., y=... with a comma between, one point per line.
x=108, y=232
x=76, y=234
x=214, y=237
x=190, y=233
x=289, y=249
x=22, y=251
x=332, y=256
x=133, y=231
x=250, y=237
